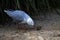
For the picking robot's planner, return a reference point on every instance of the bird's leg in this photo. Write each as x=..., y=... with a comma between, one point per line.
x=22, y=26
x=18, y=26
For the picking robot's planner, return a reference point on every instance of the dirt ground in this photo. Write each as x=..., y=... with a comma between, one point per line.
x=50, y=30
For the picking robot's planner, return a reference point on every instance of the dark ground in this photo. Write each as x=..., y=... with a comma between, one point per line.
x=50, y=30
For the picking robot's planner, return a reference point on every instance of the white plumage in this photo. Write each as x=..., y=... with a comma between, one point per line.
x=20, y=16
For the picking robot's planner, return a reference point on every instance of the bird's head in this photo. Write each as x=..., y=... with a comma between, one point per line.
x=30, y=22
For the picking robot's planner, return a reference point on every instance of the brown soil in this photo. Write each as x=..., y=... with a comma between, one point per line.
x=50, y=30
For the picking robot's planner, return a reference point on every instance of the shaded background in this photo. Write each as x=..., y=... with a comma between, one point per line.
x=35, y=8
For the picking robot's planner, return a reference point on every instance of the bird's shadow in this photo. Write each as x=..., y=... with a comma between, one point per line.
x=22, y=28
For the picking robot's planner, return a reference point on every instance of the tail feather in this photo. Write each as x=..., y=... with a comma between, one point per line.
x=8, y=10
x=5, y=10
